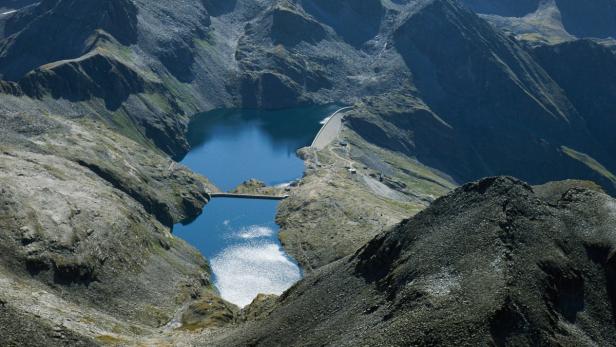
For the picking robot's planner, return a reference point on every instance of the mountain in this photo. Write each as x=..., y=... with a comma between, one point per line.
x=496, y=262
x=96, y=98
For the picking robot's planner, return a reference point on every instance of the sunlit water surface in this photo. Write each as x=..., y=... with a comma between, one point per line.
x=240, y=237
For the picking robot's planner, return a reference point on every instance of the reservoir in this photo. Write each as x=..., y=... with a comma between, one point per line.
x=240, y=237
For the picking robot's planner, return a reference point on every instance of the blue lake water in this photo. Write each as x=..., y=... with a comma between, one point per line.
x=240, y=237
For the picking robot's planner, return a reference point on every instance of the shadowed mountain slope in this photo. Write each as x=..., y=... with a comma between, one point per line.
x=496, y=109
x=537, y=20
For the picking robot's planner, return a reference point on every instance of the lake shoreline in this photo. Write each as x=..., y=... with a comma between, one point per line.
x=240, y=237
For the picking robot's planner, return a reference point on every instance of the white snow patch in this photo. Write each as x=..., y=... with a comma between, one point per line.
x=8, y=12
x=242, y=272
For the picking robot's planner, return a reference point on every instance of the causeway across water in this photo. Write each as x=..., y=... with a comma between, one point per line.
x=248, y=196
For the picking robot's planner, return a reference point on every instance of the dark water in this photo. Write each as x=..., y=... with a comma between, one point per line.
x=240, y=237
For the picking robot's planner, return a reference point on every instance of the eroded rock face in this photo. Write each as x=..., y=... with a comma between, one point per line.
x=464, y=116
x=491, y=263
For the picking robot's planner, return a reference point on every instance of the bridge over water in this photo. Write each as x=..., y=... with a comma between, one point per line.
x=247, y=196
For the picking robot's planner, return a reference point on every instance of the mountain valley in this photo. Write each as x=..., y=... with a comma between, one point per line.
x=401, y=238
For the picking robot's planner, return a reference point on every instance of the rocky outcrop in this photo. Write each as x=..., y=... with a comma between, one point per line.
x=273, y=90
x=177, y=52
x=492, y=263
x=256, y=187
x=220, y=7
x=69, y=229
x=210, y=311
x=19, y=329
x=260, y=308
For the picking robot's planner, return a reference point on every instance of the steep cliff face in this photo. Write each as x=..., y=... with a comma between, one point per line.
x=469, y=93
x=495, y=262
x=90, y=76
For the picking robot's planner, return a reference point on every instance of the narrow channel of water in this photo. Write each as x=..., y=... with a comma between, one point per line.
x=240, y=237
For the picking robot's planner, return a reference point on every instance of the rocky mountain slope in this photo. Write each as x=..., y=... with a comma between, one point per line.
x=96, y=98
x=497, y=262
